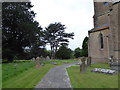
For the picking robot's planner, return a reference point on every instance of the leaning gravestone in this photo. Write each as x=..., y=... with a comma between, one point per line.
x=83, y=65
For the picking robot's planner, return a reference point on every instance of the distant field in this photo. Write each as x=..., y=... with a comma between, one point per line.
x=24, y=74
x=92, y=79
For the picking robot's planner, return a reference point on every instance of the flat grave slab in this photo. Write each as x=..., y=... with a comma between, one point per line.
x=64, y=62
x=104, y=71
x=54, y=63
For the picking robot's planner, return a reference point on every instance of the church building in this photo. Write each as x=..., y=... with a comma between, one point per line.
x=104, y=38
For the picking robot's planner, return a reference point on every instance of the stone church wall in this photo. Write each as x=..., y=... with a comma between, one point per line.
x=97, y=53
x=105, y=16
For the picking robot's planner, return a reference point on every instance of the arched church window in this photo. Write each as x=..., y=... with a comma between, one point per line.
x=106, y=3
x=101, y=40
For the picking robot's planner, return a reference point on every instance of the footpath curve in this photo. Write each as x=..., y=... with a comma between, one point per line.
x=57, y=77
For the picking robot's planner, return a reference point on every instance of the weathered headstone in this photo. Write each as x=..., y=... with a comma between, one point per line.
x=111, y=59
x=47, y=58
x=33, y=59
x=105, y=71
x=88, y=61
x=41, y=58
x=83, y=65
x=38, y=62
x=64, y=62
x=54, y=63
x=114, y=64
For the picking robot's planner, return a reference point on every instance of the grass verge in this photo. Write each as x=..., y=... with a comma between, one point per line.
x=92, y=79
x=25, y=75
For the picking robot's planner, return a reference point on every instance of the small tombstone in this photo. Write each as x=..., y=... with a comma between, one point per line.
x=83, y=65
x=33, y=59
x=41, y=58
x=64, y=62
x=110, y=60
x=54, y=63
x=47, y=58
x=88, y=61
x=38, y=62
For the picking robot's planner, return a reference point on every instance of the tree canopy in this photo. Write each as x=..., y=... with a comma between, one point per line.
x=85, y=47
x=55, y=35
x=64, y=52
x=77, y=52
x=19, y=29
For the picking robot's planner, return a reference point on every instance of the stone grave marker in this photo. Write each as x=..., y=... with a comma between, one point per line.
x=83, y=65
x=47, y=58
x=88, y=61
x=54, y=63
x=105, y=71
x=38, y=62
x=64, y=62
x=42, y=59
x=33, y=59
x=114, y=63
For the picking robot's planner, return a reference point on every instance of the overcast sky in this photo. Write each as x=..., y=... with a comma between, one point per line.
x=76, y=15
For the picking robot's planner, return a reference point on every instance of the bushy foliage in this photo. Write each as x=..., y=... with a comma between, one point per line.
x=64, y=53
x=77, y=52
x=55, y=35
x=85, y=47
x=19, y=29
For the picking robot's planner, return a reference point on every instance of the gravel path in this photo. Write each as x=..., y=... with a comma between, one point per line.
x=57, y=77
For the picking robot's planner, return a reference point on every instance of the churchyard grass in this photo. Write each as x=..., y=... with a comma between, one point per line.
x=0, y=76
x=24, y=74
x=92, y=79
x=10, y=70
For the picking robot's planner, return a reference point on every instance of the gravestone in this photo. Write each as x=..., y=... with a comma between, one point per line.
x=42, y=58
x=64, y=62
x=114, y=64
x=88, y=61
x=54, y=63
x=33, y=59
x=47, y=58
x=104, y=71
x=83, y=65
x=38, y=62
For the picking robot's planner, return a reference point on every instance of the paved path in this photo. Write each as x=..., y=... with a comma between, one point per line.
x=57, y=77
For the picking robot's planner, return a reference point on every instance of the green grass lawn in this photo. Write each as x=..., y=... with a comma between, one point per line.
x=10, y=70
x=24, y=74
x=92, y=79
x=0, y=76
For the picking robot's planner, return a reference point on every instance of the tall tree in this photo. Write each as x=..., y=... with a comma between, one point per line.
x=85, y=47
x=64, y=52
x=19, y=29
x=77, y=52
x=55, y=35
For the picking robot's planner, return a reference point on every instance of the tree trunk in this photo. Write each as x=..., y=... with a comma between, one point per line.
x=51, y=52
